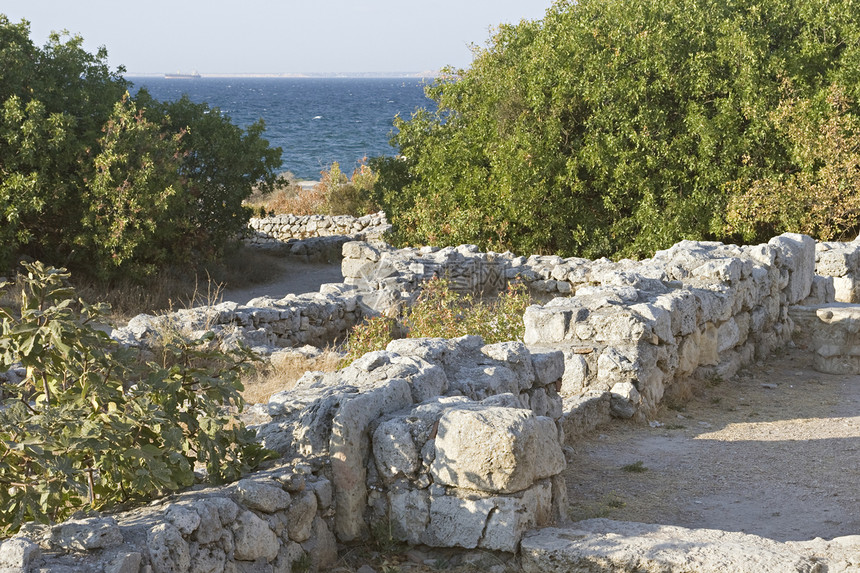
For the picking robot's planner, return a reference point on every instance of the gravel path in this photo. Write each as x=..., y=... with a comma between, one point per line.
x=774, y=452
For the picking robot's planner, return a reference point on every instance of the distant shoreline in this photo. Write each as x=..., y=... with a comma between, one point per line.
x=370, y=75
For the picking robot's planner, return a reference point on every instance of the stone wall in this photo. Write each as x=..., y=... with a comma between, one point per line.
x=265, y=324
x=452, y=442
x=695, y=311
x=282, y=228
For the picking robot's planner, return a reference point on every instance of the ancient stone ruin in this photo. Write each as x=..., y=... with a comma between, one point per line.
x=455, y=443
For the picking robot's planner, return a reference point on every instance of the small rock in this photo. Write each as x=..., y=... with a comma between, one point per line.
x=770, y=386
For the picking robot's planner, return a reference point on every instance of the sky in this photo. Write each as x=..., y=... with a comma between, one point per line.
x=276, y=36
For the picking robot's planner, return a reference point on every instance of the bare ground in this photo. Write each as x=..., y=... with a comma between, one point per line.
x=288, y=277
x=774, y=452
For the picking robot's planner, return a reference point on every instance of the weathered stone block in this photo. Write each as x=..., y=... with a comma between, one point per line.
x=500, y=450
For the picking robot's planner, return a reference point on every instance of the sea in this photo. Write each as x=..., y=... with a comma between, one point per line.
x=315, y=121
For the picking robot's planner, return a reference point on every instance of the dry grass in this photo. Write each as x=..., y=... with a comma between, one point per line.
x=290, y=200
x=181, y=287
x=282, y=373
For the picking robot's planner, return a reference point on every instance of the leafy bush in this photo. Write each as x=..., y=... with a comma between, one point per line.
x=615, y=126
x=107, y=184
x=440, y=312
x=822, y=197
x=90, y=425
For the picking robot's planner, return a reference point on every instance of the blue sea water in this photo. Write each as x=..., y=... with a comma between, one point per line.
x=316, y=121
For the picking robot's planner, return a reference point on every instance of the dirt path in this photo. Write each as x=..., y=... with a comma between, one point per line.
x=774, y=452
x=290, y=277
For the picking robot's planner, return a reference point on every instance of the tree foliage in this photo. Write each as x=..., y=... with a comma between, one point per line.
x=96, y=180
x=91, y=426
x=616, y=126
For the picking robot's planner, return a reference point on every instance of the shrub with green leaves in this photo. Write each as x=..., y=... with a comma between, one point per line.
x=91, y=425
x=440, y=312
x=615, y=127
x=112, y=185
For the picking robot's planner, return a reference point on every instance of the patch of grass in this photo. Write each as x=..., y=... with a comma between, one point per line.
x=675, y=426
x=281, y=374
x=441, y=312
x=635, y=467
x=716, y=400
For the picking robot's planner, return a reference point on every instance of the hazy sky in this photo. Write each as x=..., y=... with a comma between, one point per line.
x=270, y=36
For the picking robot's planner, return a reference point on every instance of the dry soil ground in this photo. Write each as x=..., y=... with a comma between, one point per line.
x=774, y=452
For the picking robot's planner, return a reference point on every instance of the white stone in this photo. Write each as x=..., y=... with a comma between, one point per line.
x=500, y=450
x=266, y=497
x=253, y=538
x=605, y=545
x=168, y=552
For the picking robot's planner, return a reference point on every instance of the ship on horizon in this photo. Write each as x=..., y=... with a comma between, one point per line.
x=180, y=76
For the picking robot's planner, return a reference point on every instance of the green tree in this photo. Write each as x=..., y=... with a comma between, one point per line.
x=221, y=164
x=613, y=127
x=94, y=180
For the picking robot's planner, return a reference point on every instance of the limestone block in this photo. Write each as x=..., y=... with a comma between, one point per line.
x=616, y=365
x=728, y=335
x=548, y=366
x=797, y=254
x=322, y=488
x=394, y=450
x=87, y=534
x=659, y=320
x=617, y=324
x=409, y=514
x=546, y=325
x=709, y=344
x=349, y=448
x=253, y=539
x=689, y=354
x=479, y=382
x=575, y=377
x=625, y=400
x=846, y=288
x=512, y=516
x=227, y=509
x=300, y=516
x=456, y=522
x=539, y=402
x=321, y=547
x=125, y=562
x=184, y=518
x=606, y=545
x=721, y=270
x=262, y=496
x=18, y=554
x=168, y=552
x=208, y=559
x=500, y=450
x=823, y=291
x=209, y=528
x=517, y=357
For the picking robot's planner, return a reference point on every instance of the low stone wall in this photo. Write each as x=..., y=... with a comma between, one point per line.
x=282, y=228
x=276, y=521
x=695, y=311
x=265, y=324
